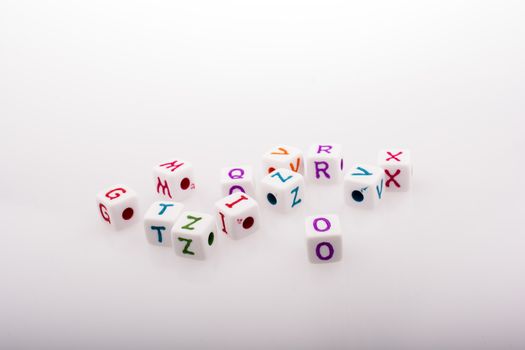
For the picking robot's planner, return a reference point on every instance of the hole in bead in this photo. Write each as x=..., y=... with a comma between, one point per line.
x=127, y=213
x=211, y=237
x=271, y=198
x=248, y=222
x=357, y=196
x=185, y=183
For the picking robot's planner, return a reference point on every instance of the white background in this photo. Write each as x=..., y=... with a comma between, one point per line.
x=94, y=93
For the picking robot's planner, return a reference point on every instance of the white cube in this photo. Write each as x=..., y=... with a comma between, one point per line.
x=398, y=168
x=237, y=215
x=323, y=239
x=118, y=206
x=174, y=179
x=324, y=163
x=282, y=190
x=158, y=221
x=364, y=186
x=237, y=179
x=283, y=156
x=193, y=235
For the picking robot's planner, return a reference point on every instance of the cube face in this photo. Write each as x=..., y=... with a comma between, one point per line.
x=323, y=239
x=398, y=169
x=364, y=185
x=174, y=179
x=237, y=179
x=118, y=206
x=282, y=190
x=237, y=215
x=283, y=156
x=324, y=163
x=193, y=235
x=159, y=220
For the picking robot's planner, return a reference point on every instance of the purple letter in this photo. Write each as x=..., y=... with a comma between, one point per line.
x=326, y=222
x=324, y=149
x=237, y=187
x=330, y=251
x=240, y=175
x=319, y=170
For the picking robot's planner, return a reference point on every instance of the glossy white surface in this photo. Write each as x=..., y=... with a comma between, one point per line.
x=97, y=92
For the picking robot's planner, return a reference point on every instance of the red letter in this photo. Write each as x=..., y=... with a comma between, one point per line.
x=104, y=213
x=112, y=196
x=230, y=205
x=164, y=186
x=172, y=165
x=223, y=223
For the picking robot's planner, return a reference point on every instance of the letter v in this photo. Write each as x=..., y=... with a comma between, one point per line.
x=282, y=153
x=298, y=164
x=363, y=172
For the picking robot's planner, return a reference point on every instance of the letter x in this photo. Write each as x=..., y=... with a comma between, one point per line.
x=394, y=156
x=391, y=178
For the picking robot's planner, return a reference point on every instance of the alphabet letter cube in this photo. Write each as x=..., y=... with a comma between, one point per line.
x=364, y=186
x=118, y=206
x=324, y=163
x=174, y=179
x=323, y=239
x=398, y=169
x=194, y=235
x=283, y=156
x=237, y=179
x=159, y=220
x=237, y=215
x=283, y=189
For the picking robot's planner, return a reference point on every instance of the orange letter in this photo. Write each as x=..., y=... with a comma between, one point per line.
x=282, y=153
x=297, y=167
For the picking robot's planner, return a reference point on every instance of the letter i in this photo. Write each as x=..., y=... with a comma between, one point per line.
x=223, y=223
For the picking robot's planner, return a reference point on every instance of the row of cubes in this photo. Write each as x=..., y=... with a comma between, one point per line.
x=286, y=175
x=192, y=234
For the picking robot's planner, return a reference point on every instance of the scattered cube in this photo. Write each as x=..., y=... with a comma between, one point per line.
x=324, y=163
x=283, y=189
x=237, y=179
x=174, y=179
x=158, y=221
x=237, y=215
x=283, y=156
x=118, y=206
x=323, y=239
x=364, y=186
x=193, y=235
x=398, y=169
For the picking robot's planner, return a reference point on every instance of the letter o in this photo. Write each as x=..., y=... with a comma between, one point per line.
x=330, y=248
x=328, y=225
